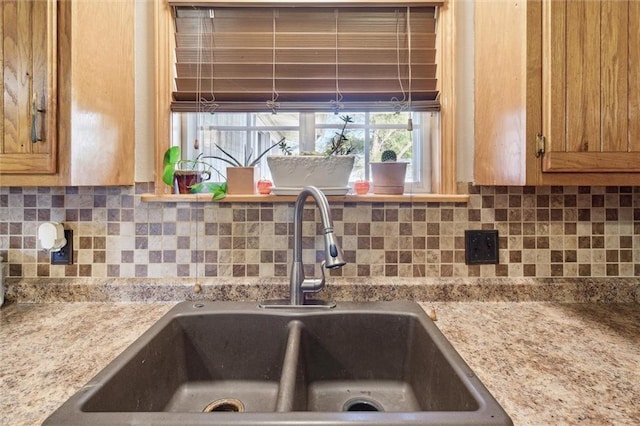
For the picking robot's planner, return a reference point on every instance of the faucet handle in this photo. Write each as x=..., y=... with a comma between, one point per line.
x=314, y=285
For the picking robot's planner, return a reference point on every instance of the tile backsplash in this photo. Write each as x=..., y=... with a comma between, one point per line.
x=544, y=232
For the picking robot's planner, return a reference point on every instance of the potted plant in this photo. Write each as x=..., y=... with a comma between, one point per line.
x=389, y=174
x=190, y=176
x=329, y=171
x=242, y=175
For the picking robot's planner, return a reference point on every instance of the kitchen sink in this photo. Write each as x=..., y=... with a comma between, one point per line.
x=238, y=363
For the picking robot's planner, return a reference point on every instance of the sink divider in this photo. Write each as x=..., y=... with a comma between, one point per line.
x=287, y=388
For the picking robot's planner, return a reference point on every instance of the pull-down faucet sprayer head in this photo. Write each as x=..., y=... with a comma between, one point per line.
x=333, y=256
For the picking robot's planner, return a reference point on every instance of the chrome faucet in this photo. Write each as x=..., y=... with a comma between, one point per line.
x=333, y=257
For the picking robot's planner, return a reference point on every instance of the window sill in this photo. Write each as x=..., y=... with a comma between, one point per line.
x=257, y=198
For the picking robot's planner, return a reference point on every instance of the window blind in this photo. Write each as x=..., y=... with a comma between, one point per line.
x=305, y=58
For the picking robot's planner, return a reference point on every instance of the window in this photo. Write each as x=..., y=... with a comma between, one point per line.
x=370, y=132
x=284, y=75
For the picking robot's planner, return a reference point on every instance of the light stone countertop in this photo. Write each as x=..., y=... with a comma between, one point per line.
x=546, y=363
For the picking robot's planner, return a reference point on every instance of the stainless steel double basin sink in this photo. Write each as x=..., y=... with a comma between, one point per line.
x=236, y=363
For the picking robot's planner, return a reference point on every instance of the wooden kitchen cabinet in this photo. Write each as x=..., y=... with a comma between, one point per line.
x=557, y=95
x=89, y=118
x=28, y=87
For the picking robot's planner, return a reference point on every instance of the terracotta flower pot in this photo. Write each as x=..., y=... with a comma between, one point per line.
x=241, y=180
x=388, y=177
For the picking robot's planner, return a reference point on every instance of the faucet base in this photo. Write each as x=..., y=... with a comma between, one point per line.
x=286, y=304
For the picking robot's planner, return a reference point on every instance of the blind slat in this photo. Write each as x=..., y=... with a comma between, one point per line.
x=309, y=56
x=301, y=40
x=357, y=55
x=297, y=105
x=231, y=85
x=302, y=71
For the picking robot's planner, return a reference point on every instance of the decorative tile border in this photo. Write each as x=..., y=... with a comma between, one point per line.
x=544, y=232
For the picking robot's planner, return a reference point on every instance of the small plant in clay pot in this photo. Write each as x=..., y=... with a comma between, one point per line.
x=242, y=173
x=389, y=174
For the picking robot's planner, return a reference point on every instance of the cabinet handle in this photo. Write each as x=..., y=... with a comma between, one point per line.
x=34, y=118
x=541, y=143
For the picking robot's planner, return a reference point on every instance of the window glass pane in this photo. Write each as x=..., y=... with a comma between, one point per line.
x=231, y=141
x=370, y=134
x=246, y=135
x=242, y=135
x=389, y=132
x=328, y=128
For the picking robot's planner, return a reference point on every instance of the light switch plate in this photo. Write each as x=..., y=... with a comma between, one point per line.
x=481, y=247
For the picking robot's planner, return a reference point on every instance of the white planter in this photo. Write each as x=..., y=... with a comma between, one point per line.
x=291, y=173
x=388, y=177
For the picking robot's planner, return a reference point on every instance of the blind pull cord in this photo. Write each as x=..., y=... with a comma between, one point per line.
x=337, y=104
x=273, y=105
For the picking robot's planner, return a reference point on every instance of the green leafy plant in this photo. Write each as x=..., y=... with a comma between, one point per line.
x=218, y=189
x=172, y=159
x=340, y=144
x=284, y=147
x=248, y=155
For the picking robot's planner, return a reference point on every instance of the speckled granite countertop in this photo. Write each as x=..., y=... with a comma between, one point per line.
x=546, y=363
x=356, y=289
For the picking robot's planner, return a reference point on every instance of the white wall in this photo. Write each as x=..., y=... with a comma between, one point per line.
x=464, y=90
x=144, y=108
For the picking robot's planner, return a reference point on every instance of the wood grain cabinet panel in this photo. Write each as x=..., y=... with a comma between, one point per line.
x=592, y=58
x=27, y=91
x=572, y=79
x=68, y=93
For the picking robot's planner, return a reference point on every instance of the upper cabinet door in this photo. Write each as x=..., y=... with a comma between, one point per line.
x=591, y=86
x=67, y=93
x=27, y=87
x=96, y=91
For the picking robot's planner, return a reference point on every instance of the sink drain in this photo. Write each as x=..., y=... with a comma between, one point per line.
x=361, y=404
x=225, y=405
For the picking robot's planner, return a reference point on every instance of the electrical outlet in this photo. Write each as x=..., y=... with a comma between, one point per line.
x=481, y=247
x=64, y=256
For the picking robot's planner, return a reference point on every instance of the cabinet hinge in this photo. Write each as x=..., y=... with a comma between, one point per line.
x=541, y=142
